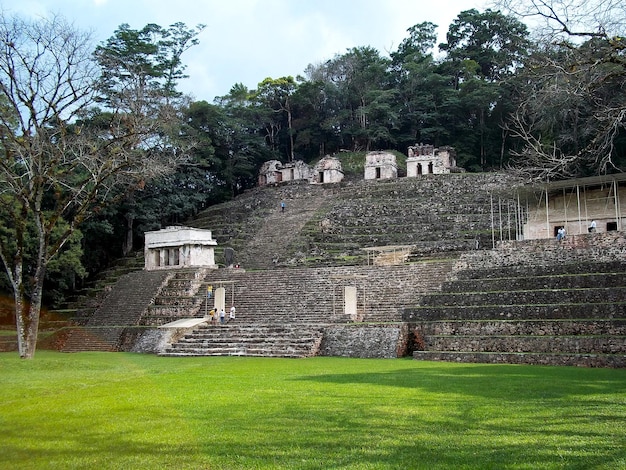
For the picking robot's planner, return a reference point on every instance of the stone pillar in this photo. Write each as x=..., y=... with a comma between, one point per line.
x=220, y=298
x=350, y=302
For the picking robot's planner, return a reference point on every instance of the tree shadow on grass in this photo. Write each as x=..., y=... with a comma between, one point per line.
x=491, y=381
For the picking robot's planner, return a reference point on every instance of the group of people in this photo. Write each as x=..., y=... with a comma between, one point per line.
x=214, y=315
x=560, y=233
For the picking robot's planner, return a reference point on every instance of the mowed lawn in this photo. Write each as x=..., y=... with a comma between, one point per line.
x=132, y=411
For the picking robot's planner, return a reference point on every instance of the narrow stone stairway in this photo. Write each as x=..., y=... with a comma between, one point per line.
x=272, y=243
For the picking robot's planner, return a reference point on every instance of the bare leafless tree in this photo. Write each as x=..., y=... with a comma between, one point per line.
x=572, y=102
x=554, y=20
x=56, y=170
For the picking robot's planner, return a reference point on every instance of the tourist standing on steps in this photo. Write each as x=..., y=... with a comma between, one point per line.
x=213, y=315
x=222, y=315
x=231, y=315
x=560, y=235
x=282, y=206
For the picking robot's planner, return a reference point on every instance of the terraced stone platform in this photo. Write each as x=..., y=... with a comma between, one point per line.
x=575, y=315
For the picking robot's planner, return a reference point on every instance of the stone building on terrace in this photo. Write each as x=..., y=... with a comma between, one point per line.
x=380, y=166
x=274, y=171
x=328, y=170
x=573, y=204
x=426, y=159
x=179, y=247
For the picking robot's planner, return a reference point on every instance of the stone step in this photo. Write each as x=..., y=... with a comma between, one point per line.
x=585, y=360
x=586, y=311
x=564, y=281
x=104, y=339
x=526, y=297
x=615, y=326
x=275, y=337
x=541, y=271
x=235, y=352
x=535, y=344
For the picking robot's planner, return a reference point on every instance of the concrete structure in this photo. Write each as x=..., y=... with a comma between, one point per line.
x=328, y=170
x=273, y=172
x=180, y=247
x=426, y=159
x=380, y=166
x=574, y=204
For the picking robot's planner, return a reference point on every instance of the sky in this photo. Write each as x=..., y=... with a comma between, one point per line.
x=246, y=41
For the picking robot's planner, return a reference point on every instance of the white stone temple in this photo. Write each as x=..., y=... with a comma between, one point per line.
x=380, y=166
x=179, y=247
x=328, y=170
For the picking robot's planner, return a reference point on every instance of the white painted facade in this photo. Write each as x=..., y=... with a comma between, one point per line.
x=178, y=247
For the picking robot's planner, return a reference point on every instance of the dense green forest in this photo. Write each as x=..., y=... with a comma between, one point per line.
x=99, y=146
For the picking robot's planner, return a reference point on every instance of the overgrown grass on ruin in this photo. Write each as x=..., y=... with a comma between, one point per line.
x=118, y=410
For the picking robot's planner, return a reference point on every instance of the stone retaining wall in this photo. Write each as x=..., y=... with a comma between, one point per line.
x=579, y=360
x=598, y=247
x=366, y=341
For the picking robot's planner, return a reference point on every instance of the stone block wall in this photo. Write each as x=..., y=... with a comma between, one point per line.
x=537, y=302
x=365, y=341
x=595, y=247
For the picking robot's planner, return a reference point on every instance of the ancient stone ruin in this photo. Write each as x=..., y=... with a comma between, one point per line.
x=385, y=270
x=327, y=170
x=179, y=247
x=380, y=166
x=426, y=159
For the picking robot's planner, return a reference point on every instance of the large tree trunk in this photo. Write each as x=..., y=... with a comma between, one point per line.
x=27, y=315
x=27, y=328
x=21, y=316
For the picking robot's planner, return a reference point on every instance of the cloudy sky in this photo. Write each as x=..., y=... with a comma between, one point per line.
x=246, y=41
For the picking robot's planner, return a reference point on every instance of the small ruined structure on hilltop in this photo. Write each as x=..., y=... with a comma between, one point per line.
x=426, y=159
x=274, y=171
x=380, y=165
x=327, y=170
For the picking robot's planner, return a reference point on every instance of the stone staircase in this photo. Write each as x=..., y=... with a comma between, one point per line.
x=558, y=314
x=232, y=339
x=182, y=295
x=329, y=225
x=284, y=312
x=279, y=233
x=121, y=308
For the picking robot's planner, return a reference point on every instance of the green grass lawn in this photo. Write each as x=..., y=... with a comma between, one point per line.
x=131, y=411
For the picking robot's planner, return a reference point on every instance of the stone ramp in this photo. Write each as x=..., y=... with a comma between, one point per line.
x=122, y=307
